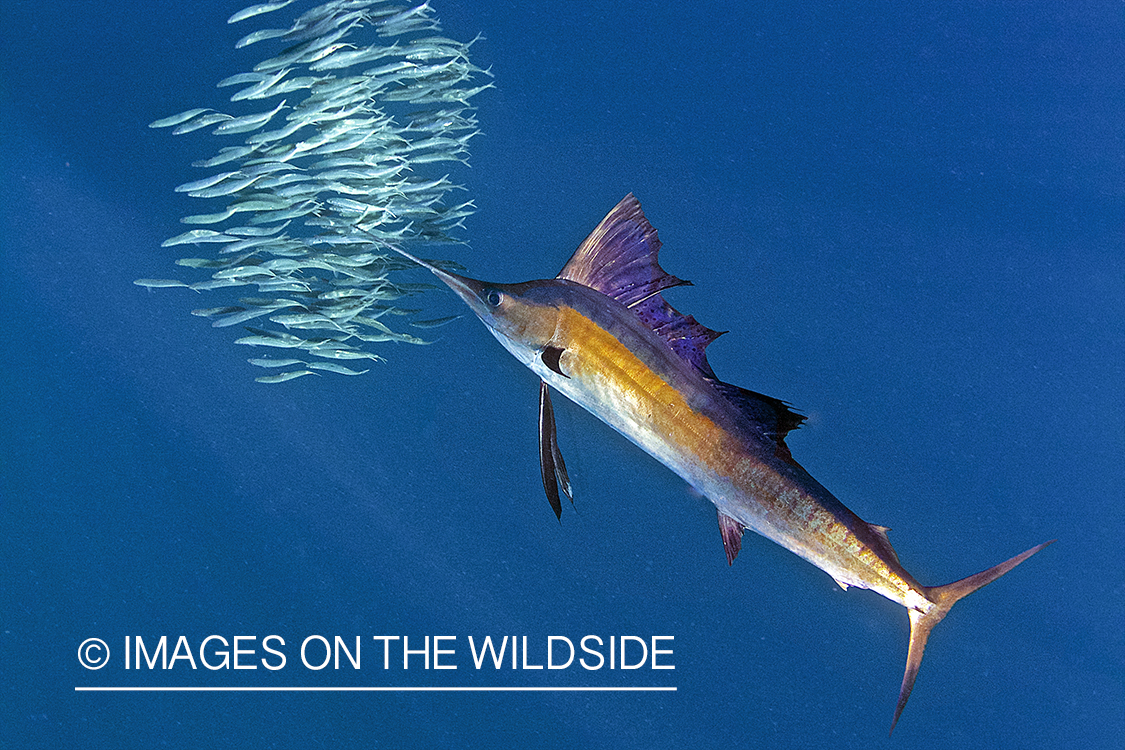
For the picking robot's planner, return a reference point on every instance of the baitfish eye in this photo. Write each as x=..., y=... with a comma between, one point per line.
x=493, y=297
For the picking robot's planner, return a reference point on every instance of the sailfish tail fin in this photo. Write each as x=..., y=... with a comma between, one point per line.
x=944, y=597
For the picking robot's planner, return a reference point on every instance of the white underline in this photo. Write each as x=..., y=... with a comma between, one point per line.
x=375, y=689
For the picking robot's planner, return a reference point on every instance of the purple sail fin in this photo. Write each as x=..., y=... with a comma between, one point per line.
x=619, y=259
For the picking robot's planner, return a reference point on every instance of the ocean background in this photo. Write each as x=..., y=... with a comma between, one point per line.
x=909, y=216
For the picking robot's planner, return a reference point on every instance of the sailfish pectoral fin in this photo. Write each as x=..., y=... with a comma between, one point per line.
x=552, y=357
x=944, y=597
x=551, y=464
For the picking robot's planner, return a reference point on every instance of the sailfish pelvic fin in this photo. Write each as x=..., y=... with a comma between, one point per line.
x=944, y=597
x=551, y=464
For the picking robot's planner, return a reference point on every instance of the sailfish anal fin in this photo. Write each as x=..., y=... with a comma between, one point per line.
x=551, y=464
x=731, y=531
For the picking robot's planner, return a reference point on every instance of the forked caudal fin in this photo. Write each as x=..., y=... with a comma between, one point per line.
x=944, y=597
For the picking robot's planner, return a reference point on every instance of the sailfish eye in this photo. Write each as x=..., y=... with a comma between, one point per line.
x=493, y=297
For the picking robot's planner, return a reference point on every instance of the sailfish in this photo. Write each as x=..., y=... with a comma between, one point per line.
x=601, y=334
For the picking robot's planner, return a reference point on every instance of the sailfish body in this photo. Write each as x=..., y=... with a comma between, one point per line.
x=601, y=334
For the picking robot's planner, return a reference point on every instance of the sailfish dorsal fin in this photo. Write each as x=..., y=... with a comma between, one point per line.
x=619, y=259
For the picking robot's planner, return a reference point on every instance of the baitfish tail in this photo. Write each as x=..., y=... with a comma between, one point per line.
x=944, y=597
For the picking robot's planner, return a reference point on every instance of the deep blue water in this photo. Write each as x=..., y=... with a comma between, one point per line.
x=910, y=219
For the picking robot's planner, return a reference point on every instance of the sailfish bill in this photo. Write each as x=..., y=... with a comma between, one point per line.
x=601, y=334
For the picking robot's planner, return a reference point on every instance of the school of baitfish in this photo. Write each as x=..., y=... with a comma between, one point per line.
x=349, y=158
